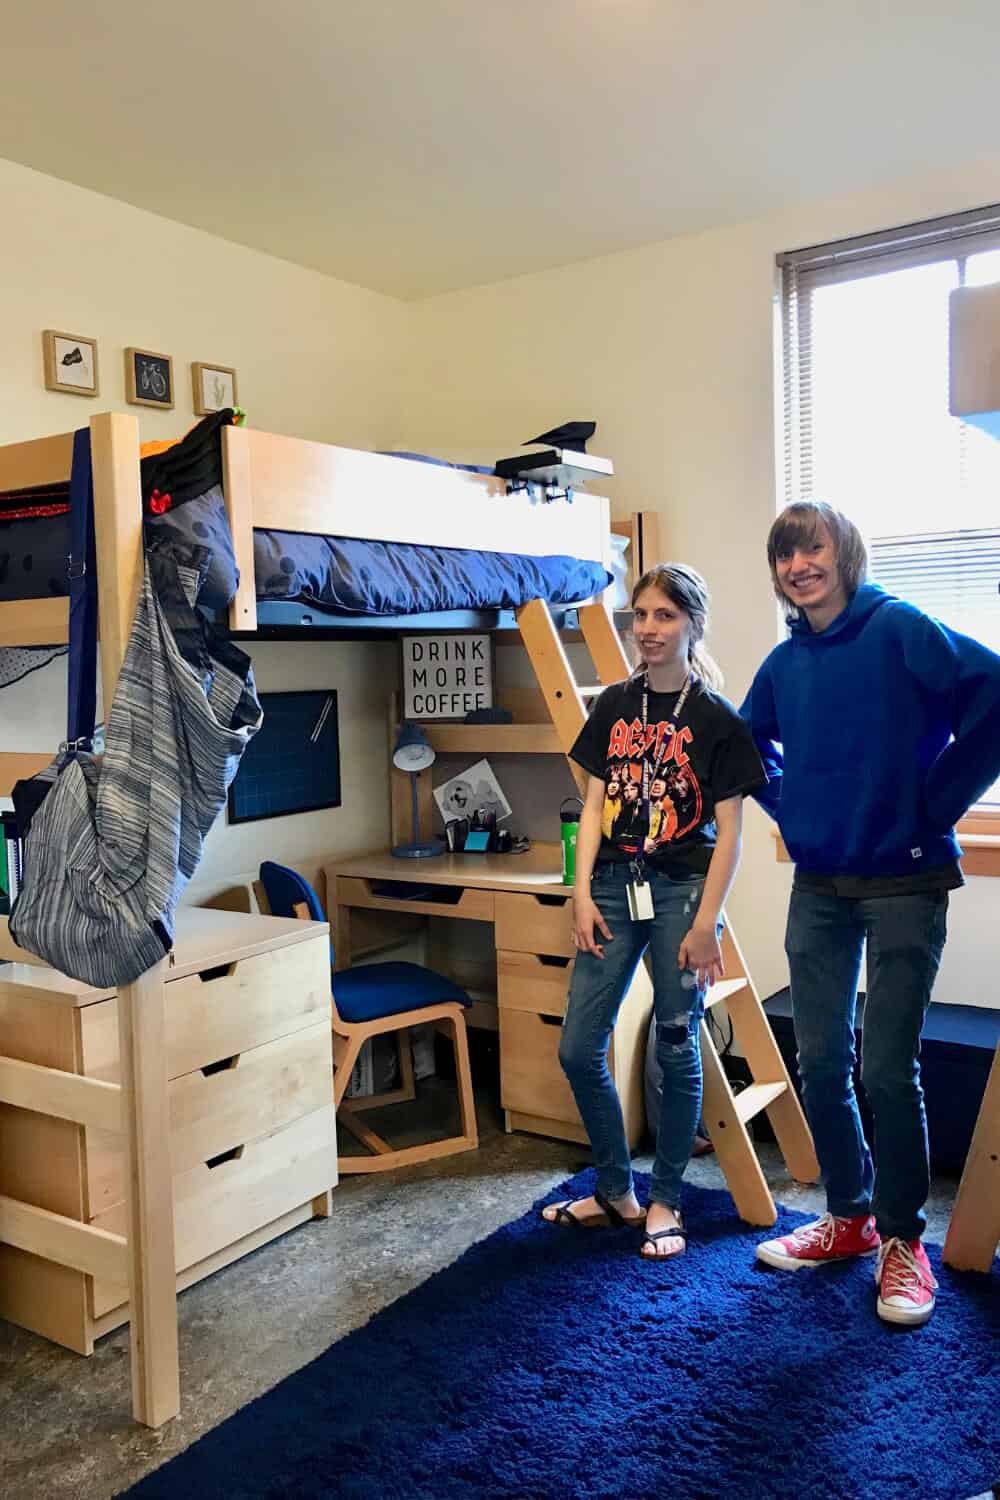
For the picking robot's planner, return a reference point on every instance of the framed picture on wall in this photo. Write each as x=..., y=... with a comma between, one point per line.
x=446, y=676
x=214, y=388
x=149, y=378
x=70, y=363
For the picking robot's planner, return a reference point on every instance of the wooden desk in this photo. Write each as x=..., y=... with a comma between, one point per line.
x=524, y=900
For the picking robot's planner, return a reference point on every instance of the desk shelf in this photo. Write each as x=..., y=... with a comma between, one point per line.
x=494, y=739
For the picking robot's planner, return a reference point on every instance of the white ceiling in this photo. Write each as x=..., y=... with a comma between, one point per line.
x=416, y=146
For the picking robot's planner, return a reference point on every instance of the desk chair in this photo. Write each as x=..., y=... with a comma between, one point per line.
x=370, y=1000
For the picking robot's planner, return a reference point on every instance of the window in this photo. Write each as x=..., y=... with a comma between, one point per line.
x=867, y=427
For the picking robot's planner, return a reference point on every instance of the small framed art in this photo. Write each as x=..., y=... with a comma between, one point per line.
x=70, y=363
x=214, y=388
x=149, y=378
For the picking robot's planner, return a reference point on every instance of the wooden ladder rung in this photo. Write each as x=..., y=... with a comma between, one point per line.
x=724, y=990
x=756, y=1097
x=591, y=692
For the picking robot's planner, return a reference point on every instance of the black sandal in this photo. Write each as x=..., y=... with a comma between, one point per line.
x=674, y=1233
x=566, y=1219
x=616, y=1217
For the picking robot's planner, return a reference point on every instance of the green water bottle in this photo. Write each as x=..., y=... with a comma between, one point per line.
x=569, y=827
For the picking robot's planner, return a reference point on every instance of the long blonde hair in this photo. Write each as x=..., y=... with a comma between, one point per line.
x=686, y=589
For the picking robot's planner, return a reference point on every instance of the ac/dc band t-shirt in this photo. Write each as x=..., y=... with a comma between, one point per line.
x=707, y=756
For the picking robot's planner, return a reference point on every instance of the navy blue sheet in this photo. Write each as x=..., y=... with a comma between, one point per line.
x=338, y=574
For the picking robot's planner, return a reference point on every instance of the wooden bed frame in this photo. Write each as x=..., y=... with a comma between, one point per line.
x=273, y=482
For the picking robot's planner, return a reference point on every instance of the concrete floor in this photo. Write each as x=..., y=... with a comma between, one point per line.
x=67, y=1432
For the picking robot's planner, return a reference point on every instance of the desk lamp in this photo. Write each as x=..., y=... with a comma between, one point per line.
x=413, y=752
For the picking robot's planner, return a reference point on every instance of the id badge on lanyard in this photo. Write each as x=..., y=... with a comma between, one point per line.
x=640, y=896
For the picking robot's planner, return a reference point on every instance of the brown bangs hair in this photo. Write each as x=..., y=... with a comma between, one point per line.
x=801, y=525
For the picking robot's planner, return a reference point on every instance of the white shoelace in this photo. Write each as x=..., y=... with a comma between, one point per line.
x=822, y=1231
x=907, y=1277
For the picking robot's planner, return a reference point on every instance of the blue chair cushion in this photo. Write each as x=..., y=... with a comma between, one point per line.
x=368, y=992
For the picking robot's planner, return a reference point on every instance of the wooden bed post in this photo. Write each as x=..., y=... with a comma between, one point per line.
x=114, y=441
x=114, y=445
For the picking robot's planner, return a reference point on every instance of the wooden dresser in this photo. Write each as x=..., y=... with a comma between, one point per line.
x=252, y=1125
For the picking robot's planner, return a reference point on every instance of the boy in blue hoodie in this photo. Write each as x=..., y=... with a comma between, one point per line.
x=879, y=728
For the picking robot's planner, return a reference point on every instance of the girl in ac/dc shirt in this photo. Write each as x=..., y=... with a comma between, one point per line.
x=682, y=760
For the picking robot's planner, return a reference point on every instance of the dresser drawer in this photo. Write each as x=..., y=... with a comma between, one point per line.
x=223, y=1011
x=531, y=1079
x=255, y=1184
x=234, y=1101
x=535, y=924
x=533, y=982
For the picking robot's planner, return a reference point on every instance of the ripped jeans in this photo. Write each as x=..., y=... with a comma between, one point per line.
x=595, y=996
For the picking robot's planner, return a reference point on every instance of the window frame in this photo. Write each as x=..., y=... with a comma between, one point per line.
x=954, y=237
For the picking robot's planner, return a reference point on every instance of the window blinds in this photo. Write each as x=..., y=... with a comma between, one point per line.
x=866, y=424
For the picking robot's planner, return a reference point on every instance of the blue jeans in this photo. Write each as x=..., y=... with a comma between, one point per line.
x=595, y=996
x=824, y=939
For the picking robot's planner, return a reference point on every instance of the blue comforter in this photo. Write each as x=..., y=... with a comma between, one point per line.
x=339, y=574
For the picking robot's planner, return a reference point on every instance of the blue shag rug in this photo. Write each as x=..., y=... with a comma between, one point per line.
x=551, y=1364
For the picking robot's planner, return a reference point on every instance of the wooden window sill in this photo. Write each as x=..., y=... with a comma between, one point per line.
x=981, y=856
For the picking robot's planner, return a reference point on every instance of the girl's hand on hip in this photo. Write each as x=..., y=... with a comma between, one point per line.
x=587, y=923
x=700, y=952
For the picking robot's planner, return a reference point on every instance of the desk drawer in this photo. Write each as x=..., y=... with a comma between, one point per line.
x=535, y=924
x=224, y=1011
x=533, y=982
x=437, y=901
x=240, y=1099
x=215, y=1206
x=531, y=1080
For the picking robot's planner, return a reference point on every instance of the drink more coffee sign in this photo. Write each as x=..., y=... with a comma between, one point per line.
x=445, y=676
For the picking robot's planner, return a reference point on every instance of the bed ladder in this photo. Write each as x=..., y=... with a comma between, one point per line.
x=726, y=1114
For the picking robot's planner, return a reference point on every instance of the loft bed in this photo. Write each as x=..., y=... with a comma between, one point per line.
x=269, y=482
x=321, y=537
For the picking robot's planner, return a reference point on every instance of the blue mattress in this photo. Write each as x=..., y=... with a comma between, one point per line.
x=340, y=575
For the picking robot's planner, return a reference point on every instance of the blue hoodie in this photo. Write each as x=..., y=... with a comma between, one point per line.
x=877, y=735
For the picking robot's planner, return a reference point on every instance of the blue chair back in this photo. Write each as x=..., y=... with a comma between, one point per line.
x=285, y=888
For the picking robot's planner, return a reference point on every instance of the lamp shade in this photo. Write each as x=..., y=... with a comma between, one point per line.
x=412, y=751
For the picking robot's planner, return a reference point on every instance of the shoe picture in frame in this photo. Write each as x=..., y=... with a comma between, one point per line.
x=70, y=363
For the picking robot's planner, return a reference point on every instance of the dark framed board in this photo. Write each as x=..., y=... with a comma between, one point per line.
x=292, y=764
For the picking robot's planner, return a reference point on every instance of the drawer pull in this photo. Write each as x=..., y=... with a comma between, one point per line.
x=552, y=900
x=221, y=971
x=550, y=1020
x=553, y=960
x=224, y=1156
x=224, y=1065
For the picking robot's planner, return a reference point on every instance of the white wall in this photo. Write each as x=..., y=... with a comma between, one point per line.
x=671, y=349
x=315, y=358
